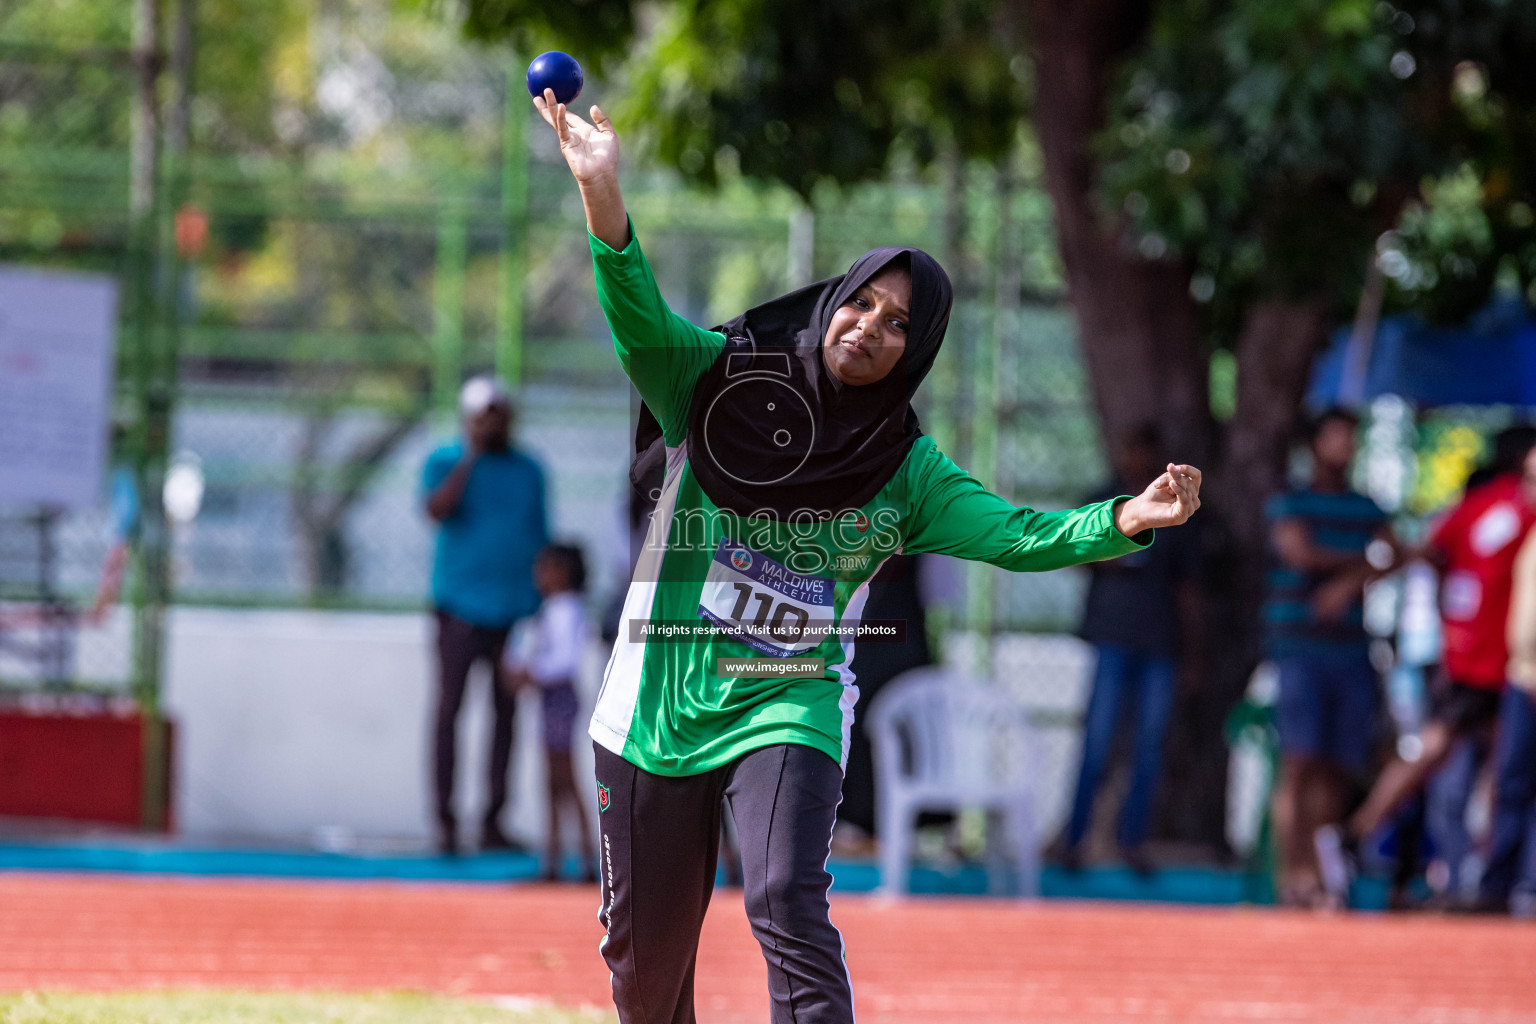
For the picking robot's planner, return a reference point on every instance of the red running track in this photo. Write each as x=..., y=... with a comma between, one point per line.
x=923, y=962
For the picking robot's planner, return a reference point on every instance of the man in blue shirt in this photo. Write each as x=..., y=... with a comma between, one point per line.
x=489, y=501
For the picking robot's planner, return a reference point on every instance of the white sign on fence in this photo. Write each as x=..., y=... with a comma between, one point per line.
x=57, y=331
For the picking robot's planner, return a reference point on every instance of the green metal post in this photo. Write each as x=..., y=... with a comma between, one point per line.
x=173, y=180
x=448, y=300
x=514, y=224
x=142, y=199
x=151, y=406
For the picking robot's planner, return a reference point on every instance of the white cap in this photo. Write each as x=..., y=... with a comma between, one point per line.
x=482, y=392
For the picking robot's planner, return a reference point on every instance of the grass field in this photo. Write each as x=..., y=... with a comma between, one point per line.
x=265, y=1008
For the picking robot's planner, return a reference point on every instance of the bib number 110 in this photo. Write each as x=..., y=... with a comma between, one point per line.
x=773, y=614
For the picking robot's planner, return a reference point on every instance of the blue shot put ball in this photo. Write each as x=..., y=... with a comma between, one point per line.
x=557, y=71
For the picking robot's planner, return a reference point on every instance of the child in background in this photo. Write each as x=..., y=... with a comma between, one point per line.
x=548, y=656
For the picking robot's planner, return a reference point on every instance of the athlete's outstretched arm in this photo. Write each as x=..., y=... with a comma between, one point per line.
x=951, y=513
x=592, y=153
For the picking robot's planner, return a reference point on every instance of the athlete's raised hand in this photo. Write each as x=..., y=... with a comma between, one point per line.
x=1168, y=501
x=591, y=151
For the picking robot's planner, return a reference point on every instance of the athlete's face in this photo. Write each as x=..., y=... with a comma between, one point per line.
x=868, y=333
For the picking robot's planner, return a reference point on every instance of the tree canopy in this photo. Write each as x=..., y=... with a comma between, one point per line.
x=797, y=91
x=1272, y=145
x=67, y=79
x=1267, y=146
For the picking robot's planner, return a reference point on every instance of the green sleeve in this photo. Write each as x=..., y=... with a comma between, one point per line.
x=663, y=354
x=950, y=513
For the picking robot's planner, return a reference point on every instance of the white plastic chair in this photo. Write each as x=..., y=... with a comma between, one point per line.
x=943, y=740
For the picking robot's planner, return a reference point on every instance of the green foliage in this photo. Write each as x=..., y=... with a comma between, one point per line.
x=1472, y=230
x=71, y=24
x=594, y=31
x=1272, y=145
x=240, y=70
x=1443, y=258
x=72, y=102
x=1254, y=139
x=799, y=91
x=67, y=80
x=802, y=91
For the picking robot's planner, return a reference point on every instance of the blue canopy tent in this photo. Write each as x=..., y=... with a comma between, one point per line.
x=1490, y=360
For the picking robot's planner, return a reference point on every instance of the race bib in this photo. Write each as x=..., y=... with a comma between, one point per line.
x=763, y=603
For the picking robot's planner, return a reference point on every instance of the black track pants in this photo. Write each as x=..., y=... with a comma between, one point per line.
x=660, y=838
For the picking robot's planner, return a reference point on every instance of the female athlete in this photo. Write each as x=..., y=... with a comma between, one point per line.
x=793, y=466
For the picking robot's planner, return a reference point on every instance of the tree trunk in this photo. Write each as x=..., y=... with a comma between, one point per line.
x=1275, y=351
x=1139, y=328
x=1142, y=342
x=1274, y=360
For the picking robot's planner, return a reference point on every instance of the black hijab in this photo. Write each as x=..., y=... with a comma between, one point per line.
x=772, y=431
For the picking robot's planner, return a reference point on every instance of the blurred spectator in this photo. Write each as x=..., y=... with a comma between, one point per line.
x=894, y=593
x=1446, y=796
x=1449, y=790
x=1509, y=881
x=1475, y=548
x=1315, y=634
x=122, y=527
x=489, y=499
x=1510, y=446
x=1142, y=617
x=549, y=657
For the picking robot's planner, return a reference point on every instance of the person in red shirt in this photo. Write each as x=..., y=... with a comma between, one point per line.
x=1474, y=547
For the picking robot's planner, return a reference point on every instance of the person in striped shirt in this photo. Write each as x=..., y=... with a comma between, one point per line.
x=1315, y=634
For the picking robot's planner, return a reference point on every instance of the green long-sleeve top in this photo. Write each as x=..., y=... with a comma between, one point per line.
x=711, y=585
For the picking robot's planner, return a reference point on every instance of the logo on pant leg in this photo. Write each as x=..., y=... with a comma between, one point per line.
x=604, y=798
